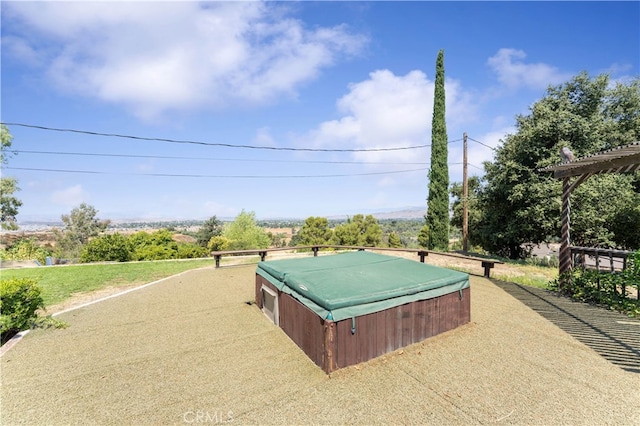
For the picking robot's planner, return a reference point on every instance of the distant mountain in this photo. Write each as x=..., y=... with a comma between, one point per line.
x=407, y=213
x=398, y=213
x=410, y=212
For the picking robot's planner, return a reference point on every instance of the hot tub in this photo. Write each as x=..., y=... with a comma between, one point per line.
x=347, y=308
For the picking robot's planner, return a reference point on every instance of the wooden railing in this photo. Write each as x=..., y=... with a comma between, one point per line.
x=487, y=264
x=595, y=258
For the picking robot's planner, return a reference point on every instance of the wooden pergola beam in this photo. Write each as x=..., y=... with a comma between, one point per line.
x=623, y=159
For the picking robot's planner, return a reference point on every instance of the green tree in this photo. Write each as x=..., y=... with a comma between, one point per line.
x=423, y=236
x=106, y=248
x=473, y=208
x=394, y=240
x=25, y=249
x=80, y=225
x=244, y=233
x=314, y=231
x=522, y=205
x=209, y=229
x=9, y=204
x=157, y=245
x=218, y=243
x=358, y=231
x=438, y=199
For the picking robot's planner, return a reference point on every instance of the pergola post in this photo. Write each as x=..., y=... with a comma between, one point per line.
x=622, y=159
x=566, y=261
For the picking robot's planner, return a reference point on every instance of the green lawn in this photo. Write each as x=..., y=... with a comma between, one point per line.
x=58, y=283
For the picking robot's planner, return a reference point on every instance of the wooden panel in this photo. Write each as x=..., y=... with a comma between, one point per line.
x=376, y=334
x=407, y=324
x=394, y=328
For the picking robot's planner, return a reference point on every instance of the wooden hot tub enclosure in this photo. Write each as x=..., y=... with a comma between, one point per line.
x=349, y=308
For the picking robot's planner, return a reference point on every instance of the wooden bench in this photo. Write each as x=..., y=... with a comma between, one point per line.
x=487, y=264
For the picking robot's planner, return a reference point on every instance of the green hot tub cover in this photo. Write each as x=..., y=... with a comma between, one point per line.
x=351, y=284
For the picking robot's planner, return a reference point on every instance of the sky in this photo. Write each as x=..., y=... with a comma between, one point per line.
x=284, y=109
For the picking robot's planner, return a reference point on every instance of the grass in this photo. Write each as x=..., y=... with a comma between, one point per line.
x=59, y=283
x=529, y=275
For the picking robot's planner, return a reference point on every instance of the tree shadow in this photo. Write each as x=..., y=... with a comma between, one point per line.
x=611, y=334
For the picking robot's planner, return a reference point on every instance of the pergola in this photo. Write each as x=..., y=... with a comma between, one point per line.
x=624, y=159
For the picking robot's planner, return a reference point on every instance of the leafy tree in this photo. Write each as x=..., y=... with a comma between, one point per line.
x=314, y=231
x=394, y=240
x=438, y=200
x=278, y=239
x=358, y=231
x=9, y=204
x=211, y=228
x=244, y=233
x=521, y=205
x=191, y=251
x=80, y=225
x=25, y=249
x=473, y=208
x=218, y=243
x=106, y=248
x=626, y=227
x=157, y=245
x=423, y=236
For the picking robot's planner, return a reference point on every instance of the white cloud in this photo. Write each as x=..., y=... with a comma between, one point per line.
x=69, y=197
x=387, y=111
x=263, y=137
x=159, y=57
x=514, y=73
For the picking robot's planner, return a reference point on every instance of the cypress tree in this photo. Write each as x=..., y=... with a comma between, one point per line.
x=438, y=199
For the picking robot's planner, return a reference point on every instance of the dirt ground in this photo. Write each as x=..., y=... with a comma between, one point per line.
x=189, y=349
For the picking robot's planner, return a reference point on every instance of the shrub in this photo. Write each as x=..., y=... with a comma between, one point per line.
x=19, y=300
x=106, y=248
x=605, y=288
x=25, y=249
x=191, y=251
x=154, y=252
x=218, y=243
x=158, y=245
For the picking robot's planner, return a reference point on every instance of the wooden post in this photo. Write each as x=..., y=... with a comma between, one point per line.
x=465, y=197
x=566, y=263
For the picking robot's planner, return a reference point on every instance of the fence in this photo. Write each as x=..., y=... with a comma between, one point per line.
x=600, y=259
x=487, y=264
x=607, y=260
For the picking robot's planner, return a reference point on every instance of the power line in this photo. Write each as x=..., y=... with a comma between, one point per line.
x=166, y=157
x=482, y=143
x=227, y=145
x=95, y=172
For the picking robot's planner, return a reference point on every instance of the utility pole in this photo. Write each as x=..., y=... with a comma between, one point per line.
x=465, y=197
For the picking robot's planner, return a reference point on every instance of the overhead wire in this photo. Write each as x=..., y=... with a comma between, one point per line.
x=168, y=157
x=96, y=172
x=481, y=143
x=220, y=144
x=92, y=133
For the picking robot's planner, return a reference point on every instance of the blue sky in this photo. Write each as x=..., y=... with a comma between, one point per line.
x=321, y=75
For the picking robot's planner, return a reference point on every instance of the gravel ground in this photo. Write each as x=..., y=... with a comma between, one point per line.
x=190, y=350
